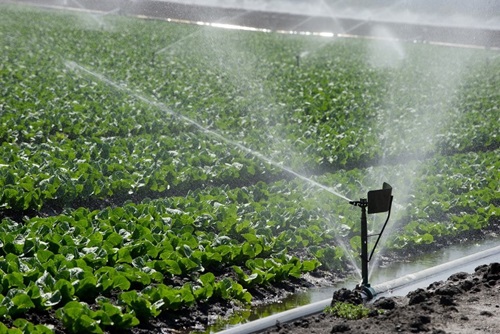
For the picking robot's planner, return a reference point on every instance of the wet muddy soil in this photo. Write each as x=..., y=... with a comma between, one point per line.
x=464, y=303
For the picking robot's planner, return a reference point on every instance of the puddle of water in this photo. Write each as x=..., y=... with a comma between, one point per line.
x=381, y=275
x=448, y=254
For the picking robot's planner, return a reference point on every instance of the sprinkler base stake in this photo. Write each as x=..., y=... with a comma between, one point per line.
x=367, y=293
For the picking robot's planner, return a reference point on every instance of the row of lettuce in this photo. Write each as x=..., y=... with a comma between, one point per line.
x=70, y=136
x=249, y=87
x=122, y=266
x=88, y=109
x=139, y=260
x=60, y=174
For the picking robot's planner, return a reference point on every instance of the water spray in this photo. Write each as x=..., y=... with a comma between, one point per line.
x=378, y=201
x=214, y=134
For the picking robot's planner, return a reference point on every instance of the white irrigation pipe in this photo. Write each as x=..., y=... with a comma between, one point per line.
x=430, y=273
x=317, y=307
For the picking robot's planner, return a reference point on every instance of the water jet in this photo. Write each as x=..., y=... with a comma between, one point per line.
x=119, y=87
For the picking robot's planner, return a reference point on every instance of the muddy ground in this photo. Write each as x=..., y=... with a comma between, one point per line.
x=463, y=304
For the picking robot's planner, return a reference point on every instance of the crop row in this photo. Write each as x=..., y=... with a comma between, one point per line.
x=68, y=171
x=89, y=116
x=336, y=108
x=143, y=259
x=322, y=116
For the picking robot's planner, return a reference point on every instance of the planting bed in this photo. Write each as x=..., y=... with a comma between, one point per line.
x=140, y=164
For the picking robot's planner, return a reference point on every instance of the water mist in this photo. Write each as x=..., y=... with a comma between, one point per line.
x=419, y=106
x=74, y=66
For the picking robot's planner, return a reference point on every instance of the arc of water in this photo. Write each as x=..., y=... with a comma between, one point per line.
x=74, y=66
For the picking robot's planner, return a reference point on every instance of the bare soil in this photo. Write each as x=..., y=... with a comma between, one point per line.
x=463, y=304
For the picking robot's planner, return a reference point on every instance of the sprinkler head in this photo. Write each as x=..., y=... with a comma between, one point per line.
x=362, y=203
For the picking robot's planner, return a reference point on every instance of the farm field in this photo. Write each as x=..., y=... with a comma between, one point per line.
x=145, y=165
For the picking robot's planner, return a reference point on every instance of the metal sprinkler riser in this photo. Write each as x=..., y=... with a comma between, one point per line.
x=377, y=201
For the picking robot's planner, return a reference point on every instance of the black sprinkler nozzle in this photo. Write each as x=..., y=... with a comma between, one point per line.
x=363, y=202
